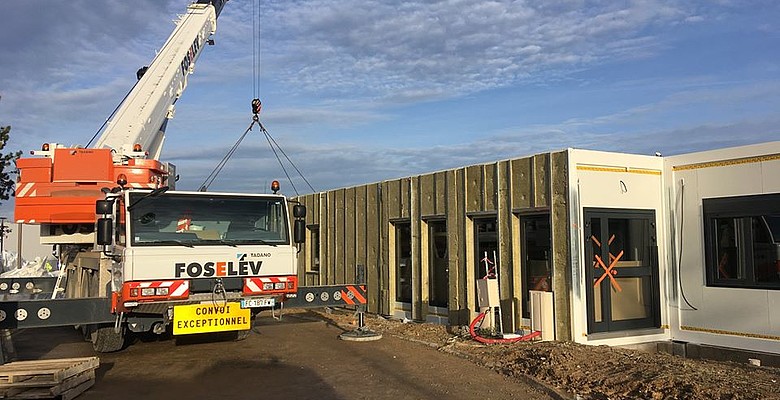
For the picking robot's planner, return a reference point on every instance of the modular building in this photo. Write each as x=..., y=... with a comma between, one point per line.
x=590, y=246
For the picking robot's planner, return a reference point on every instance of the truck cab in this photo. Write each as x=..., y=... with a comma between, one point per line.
x=178, y=253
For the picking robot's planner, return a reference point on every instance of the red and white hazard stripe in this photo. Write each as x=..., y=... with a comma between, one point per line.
x=270, y=284
x=137, y=185
x=177, y=289
x=354, y=295
x=27, y=190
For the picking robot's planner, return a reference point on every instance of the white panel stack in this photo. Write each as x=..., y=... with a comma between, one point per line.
x=542, y=314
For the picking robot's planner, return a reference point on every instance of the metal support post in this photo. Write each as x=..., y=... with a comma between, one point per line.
x=362, y=333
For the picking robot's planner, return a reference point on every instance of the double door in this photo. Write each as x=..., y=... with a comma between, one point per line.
x=621, y=270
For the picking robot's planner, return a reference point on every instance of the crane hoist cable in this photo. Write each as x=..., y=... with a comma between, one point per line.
x=256, y=107
x=213, y=175
x=271, y=140
x=100, y=129
x=256, y=53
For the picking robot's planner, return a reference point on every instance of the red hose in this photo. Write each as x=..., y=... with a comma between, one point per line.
x=485, y=340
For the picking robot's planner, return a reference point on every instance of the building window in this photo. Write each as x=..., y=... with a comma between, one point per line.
x=537, y=271
x=742, y=240
x=314, y=264
x=403, y=261
x=486, y=250
x=486, y=247
x=439, y=264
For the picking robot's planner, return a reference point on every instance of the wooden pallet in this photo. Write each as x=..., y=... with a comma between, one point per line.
x=63, y=378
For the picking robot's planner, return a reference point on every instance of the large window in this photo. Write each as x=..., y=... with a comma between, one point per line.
x=314, y=265
x=206, y=219
x=485, y=250
x=537, y=272
x=403, y=260
x=439, y=264
x=742, y=239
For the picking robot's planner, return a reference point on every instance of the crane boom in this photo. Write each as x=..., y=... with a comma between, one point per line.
x=58, y=189
x=142, y=118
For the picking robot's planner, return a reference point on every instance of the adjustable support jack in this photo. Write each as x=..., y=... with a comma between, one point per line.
x=362, y=333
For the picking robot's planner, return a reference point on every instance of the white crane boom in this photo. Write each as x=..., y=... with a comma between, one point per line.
x=143, y=116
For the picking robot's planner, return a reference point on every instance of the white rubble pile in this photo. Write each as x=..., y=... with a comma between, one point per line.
x=38, y=267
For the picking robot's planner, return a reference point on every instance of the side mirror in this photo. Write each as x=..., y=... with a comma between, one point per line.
x=299, y=231
x=104, y=207
x=105, y=231
x=299, y=211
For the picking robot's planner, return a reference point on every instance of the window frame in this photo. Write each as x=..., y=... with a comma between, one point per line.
x=741, y=210
x=399, y=293
x=314, y=248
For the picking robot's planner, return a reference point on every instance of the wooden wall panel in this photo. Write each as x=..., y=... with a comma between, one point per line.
x=330, y=239
x=490, y=189
x=522, y=183
x=385, y=282
x=406, y=206
x=418, y=309
x=350, y=239
x=541, y=180
x=373, y=247
x=392, y=195
x=505, y=243
x=339, y=237
x=356, y=228
x=361, y=226
x=427, y=194
x=561, y=245
x=440, y=199
x=473, y=189
x=459, y=309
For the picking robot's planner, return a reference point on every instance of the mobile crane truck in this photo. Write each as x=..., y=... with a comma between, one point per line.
x=133, y=253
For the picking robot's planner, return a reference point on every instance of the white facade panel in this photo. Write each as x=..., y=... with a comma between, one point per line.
x=688, y=225
x=615, y=181
x=719, y=311
x=769, y=176
x=745, y=318
x=774, y=310
x=729, y=180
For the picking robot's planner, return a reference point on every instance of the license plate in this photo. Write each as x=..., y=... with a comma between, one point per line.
x=210, y=317
x=255, y=303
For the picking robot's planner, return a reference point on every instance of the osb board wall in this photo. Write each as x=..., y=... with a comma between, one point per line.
x=355, y=229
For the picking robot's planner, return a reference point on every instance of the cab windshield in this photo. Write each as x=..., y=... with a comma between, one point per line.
x=206, y=219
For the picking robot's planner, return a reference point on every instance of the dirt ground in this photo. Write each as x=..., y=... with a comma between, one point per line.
x=592, y=372
x=301, y=357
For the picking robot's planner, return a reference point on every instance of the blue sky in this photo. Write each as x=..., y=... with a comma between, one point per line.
x=358, y=91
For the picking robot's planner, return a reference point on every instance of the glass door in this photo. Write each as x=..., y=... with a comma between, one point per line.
x=621, y=271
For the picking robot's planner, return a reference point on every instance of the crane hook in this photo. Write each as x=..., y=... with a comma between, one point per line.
x=256, y=107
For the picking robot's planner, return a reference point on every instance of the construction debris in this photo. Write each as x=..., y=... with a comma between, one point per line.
x=46, y=379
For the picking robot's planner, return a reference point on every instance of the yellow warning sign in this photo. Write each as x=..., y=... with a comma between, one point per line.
x=205, y=318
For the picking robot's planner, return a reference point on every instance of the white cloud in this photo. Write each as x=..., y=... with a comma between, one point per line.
x=336, y=64
x=378, y=49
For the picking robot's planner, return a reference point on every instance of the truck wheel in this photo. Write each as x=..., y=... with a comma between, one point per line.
x=106, y=340
x=241, y=335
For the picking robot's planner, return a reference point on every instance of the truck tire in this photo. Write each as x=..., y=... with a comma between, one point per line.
x=106, y=340
x=242, y=335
